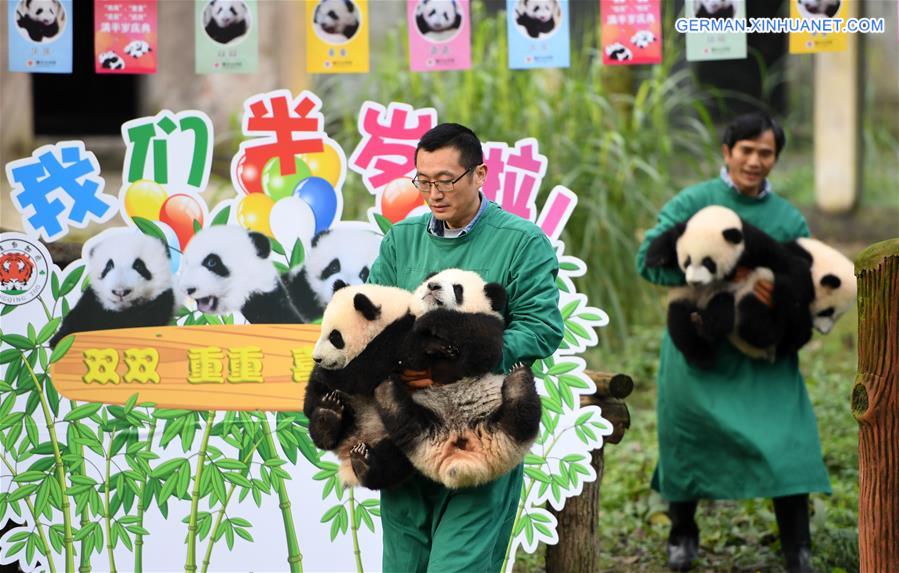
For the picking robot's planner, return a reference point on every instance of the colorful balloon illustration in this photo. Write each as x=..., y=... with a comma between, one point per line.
x=144, y=198
x=278, y=186
x=325, y=164
x=321, y=197
x=171, y=240
x=253, y=213
x=179, y=212
x=399, y=199
x=291, y=219
x=249, y=175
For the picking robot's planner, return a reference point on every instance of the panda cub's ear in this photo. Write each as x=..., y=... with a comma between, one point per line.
x=733, y=235
x=350, y=6
x=364, y=305
x=262, y=244
x=831, y=281
x=338, y=284
x=497, y=295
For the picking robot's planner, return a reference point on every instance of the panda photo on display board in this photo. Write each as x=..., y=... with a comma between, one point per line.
x=469, y=425
x=362, y=332
x=40, y=20
x=343, y=253
x=818, y=8
x=226, y=269
x=130, y=285
x=111, y=61
x=714, y=9
x=226, y=20
x=538, y=18
x=336, y=21
x=438, y=20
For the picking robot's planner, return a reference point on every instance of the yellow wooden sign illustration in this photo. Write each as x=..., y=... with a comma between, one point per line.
x=245, y=367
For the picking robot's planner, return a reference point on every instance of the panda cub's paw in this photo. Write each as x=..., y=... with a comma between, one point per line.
x=441, y=348
x=331, y=403
x=359, y=458
x=519, y=382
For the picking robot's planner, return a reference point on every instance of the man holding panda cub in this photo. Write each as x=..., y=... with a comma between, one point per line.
x=744, y=428
x=428, y=527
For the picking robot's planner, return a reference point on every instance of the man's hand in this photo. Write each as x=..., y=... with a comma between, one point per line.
x=416, y=379
x=764, y=291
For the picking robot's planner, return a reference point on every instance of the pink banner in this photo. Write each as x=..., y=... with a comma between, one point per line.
x=631, y=31
x=125, y=36
x=439, y=35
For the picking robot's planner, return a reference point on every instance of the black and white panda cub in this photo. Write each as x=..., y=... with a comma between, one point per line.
x=471, y=426
x=343, y=254
x=130, y=286
x=225, y=269
x=537, y=16
x=437, y=16
x=714, y=9
x=711, y=248
x=362, y=330
x=225, y=20
x=40, y=18
x=833, y=276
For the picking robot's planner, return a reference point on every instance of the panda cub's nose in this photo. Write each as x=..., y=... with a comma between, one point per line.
x=191, y=290
x=123, y=292
x=317, y=359
x=433, y=286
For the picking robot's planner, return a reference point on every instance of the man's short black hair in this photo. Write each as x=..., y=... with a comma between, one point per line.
x=752, y=125
x=455, y=136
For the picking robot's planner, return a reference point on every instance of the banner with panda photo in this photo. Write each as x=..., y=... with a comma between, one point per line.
x=539, y=33
x=337, y=36
x=125, y=36
x=439, y=35
x=40, y=36
x=631, y=32
x=167, y=433
x=703, y=46
x=226, y=36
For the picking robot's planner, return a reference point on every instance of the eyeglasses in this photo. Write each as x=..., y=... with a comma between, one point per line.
x=444, y=186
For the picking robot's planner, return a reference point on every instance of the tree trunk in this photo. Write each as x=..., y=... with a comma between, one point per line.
x=875, y=403
x=578, y=546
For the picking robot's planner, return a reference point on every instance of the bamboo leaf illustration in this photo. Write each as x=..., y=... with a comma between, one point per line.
x=18, y=341
x=231, y=465
x=29, y=476
x=62, y=348
x=48, y=330
x=243, y=533
x=238, y=479
x=221, y=218
x=72, y=279
x=83, y=411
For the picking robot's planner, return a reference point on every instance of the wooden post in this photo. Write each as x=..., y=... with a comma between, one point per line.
x=875, y=404
x=578, y=546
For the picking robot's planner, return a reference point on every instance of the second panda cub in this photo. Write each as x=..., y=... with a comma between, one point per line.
x=471, y=426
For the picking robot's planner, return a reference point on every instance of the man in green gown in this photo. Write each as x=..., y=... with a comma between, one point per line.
x=744, y=428
x=428, y=527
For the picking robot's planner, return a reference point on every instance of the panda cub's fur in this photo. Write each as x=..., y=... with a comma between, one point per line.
x=710, y=248
x=362, y=330
x=471, y=426
x=130, y=286
x=833, y=276
x=340, y=254
x=225, y=269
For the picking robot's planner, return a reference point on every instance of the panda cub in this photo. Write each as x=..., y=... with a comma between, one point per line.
x=130, y=286
x=337, y=18
x=111, y=61
x=833, y=276
x=436, y=17
x=537, y=16
x=711, y=248
x=361, y=333
x=618, y=52
x=342, y=254
x=714, y=9
x=225, y=20
x=470, y=426
x=40, y=18
x=225, y=269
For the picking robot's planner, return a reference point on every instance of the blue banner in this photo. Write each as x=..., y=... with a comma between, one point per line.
x=40, y=36
x=539, y=35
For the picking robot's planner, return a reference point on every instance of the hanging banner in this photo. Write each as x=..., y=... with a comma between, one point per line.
x=337, y=40
x=125, y=36
x=814, y=13
x=40, y=36
x=539, y=34
x=631, y=31
x=226, y=36
x=158, y=380
x=439, y=35
x=716, y=46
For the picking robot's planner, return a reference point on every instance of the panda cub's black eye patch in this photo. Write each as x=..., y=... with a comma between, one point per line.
x=332, y=269
x=826, y=312
x=363, y=274
x=332, y=14
x=336, y=339
x=458, y=290
x=214, y=264
x=109, y=266
x=687, y=262
x=142, y=269
x=709, y=264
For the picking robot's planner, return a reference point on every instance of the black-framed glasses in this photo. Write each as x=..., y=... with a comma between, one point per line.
x=444, y=185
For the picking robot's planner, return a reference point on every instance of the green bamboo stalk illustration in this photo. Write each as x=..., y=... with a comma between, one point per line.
x=294, y=557
x=191, y=564
x=60, y=468
x=85, y=565
x=139, y=537
x=37, y=522
x=107, y=515
x=218, y=520
x=354, y=529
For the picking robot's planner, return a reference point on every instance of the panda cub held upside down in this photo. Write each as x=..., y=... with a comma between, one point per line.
x=471, y=426
x=362, y=330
